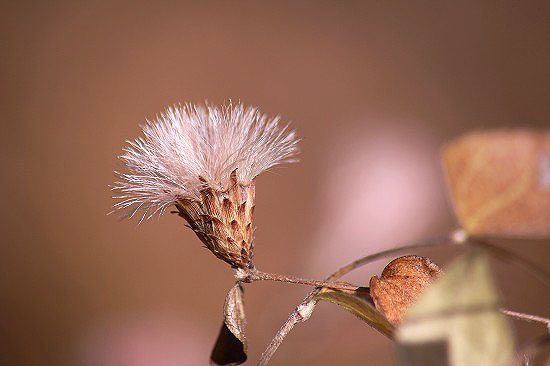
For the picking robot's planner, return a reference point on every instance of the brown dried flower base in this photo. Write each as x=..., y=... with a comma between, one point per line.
x=223, y=221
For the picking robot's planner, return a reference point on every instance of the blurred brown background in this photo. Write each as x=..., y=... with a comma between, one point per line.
x=372, y=87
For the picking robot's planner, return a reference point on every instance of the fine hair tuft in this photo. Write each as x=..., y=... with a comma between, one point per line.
x=191, y=147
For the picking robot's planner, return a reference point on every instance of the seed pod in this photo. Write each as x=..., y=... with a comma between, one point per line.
x=223, y=221
x=402, y=281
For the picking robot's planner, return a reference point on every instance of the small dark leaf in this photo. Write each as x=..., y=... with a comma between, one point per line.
x=228, y=350
x=230, y=347
x=360, y=308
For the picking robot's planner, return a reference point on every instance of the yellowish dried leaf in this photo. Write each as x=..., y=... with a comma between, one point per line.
x=500, y=182
x=359, y=307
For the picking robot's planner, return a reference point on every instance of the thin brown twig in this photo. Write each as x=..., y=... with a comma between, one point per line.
x=256, y=275
x=527, y=317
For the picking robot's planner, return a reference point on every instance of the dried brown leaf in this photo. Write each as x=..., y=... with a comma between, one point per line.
x=500, y=182
x=402, y=281
x=233, y=311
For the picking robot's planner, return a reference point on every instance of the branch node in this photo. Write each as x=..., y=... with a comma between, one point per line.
x=306, y=309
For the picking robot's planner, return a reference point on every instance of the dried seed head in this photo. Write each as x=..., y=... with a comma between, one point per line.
x=223, y=221
x=402, y=281
x=204, y=160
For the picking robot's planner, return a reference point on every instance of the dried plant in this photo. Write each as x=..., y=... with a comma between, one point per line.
x=203, y=160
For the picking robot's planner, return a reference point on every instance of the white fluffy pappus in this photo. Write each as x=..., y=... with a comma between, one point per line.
x=190, y=147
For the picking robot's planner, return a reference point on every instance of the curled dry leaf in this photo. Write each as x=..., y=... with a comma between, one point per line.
x=233, y=311
x=231, y=345
x=500, y=182
x=401, y=283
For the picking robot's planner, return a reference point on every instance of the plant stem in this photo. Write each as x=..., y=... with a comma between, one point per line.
x=256, y=275
x=527, y=317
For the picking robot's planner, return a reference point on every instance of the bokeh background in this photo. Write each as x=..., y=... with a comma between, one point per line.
x=373, y=88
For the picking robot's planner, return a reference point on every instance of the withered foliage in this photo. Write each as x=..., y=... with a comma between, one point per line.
x=500, y=182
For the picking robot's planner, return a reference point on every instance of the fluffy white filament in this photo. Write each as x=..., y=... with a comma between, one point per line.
x=189, y=147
